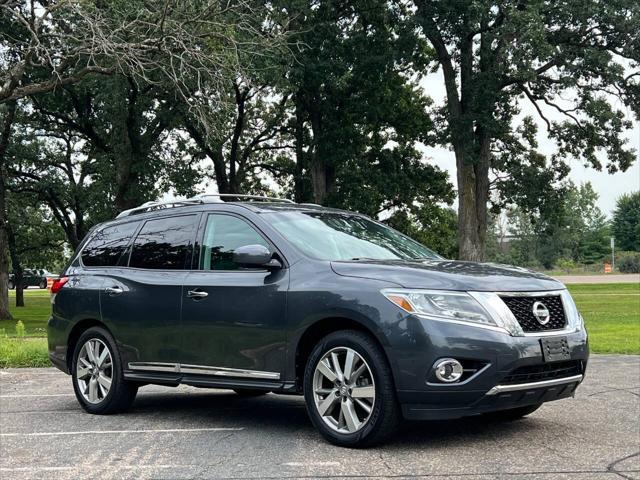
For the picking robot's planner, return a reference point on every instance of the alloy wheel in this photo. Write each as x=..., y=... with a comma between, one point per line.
x=344, y=390
x=94, y=371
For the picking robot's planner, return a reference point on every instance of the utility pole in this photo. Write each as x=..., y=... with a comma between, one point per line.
x=613, y=254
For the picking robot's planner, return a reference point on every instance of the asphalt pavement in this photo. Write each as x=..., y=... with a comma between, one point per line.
x=194, y=433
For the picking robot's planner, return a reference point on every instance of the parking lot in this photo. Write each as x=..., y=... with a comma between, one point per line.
x=192, y=433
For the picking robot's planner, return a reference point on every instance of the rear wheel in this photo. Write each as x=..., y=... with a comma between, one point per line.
x=43, y=284
x=349, y=390
x=11, y=285
x=96, y=371
x=512, y=413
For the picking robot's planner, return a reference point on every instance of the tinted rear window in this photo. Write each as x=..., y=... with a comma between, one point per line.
x=164, y=243
x=107, y=246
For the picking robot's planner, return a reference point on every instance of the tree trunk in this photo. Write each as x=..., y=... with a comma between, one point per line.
x=129, y=160
x=18, y=277
x=5, y=134
x=473, y=196
x=298, y=178
x=322, y=174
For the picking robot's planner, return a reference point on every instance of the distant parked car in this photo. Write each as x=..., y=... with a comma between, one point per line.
x=32, y=278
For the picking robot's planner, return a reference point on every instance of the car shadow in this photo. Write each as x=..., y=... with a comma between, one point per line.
x=282, y=414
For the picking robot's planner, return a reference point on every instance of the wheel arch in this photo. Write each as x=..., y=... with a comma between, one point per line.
x=323, y=327
x=78, y=329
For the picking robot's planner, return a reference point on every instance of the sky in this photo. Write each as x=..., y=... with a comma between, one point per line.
x=609, y=187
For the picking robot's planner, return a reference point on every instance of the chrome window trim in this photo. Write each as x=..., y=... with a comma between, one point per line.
x=528, y=386
x=202, y=370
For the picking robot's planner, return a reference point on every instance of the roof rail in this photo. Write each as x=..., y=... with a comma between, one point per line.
x=198, y=199
x=204, y=196
x=150, y=206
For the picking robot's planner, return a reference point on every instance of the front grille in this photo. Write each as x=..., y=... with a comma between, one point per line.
x=548, y=371
x=522, y=308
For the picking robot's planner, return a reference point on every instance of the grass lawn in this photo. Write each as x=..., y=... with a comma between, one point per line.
x=611, y=313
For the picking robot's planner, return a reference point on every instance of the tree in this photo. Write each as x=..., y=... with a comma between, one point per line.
x=356, y=116
x=565, y=58
x=6, y=125
x=571, y=228
x=35, y=239
x=626, y=222
x=51, y=44
x=251, y=130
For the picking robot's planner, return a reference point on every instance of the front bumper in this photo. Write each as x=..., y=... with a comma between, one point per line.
x=493, y=386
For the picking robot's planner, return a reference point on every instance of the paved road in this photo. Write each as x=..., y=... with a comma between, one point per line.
x=192, y=433
x=625, y=278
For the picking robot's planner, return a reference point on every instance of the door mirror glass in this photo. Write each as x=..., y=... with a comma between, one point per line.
x=254, y=256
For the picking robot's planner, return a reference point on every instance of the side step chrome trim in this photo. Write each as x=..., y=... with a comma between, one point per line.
x=202, y=370
x=529, y=386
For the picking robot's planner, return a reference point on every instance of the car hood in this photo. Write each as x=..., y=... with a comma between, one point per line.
x=448, y=275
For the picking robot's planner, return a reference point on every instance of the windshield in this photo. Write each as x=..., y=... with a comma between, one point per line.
x=337, y=236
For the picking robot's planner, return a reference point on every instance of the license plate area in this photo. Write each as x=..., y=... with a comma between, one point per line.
x=555, y=349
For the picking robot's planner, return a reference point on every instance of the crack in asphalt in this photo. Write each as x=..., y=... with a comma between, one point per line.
x=627, y=390
x=611, y=466
x=437, y=475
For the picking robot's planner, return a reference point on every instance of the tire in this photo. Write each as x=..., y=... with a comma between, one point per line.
x=11, y=285
x=248, y=392
x=43, y=285
x=120, y=394
x=346, y=422
x=512, y=413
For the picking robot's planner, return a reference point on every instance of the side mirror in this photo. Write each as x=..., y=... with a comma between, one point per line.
x=255, y=256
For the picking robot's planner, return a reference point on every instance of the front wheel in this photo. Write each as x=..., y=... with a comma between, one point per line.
x=97, y=374
x=349, y=390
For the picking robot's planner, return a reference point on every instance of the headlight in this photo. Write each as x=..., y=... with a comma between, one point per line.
x=441, y=305
x=574, y=319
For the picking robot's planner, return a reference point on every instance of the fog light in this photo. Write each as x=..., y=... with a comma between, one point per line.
x=448, y=370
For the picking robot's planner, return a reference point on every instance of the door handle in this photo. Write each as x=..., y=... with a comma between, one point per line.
x=197, y=294
x=113, y=291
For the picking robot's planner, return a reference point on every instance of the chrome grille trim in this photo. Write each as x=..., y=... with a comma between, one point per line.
x=529, y=386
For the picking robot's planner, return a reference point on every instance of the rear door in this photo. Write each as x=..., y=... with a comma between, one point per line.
x=233, y=318
x=141, y=300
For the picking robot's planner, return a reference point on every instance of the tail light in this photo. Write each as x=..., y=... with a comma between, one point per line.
x=58, y=283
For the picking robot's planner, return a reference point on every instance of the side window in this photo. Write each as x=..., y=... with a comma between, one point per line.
x=222, y=235
x=107, y=245
x=164, y=243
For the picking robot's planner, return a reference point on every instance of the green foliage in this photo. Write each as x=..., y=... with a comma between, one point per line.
x=565, y=264
x=431, y=225
x=628, y=262
x=626, y=222
x=574, y=63
x=565, y=232
x=20, y=329
x=23, y=352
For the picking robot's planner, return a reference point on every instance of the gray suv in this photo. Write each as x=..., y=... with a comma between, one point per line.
x=263, y=295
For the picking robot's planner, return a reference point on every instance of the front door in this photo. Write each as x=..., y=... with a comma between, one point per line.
x=233, y=318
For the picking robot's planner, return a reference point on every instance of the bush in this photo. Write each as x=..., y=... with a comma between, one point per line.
x=565, y=264
x=629, y=262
